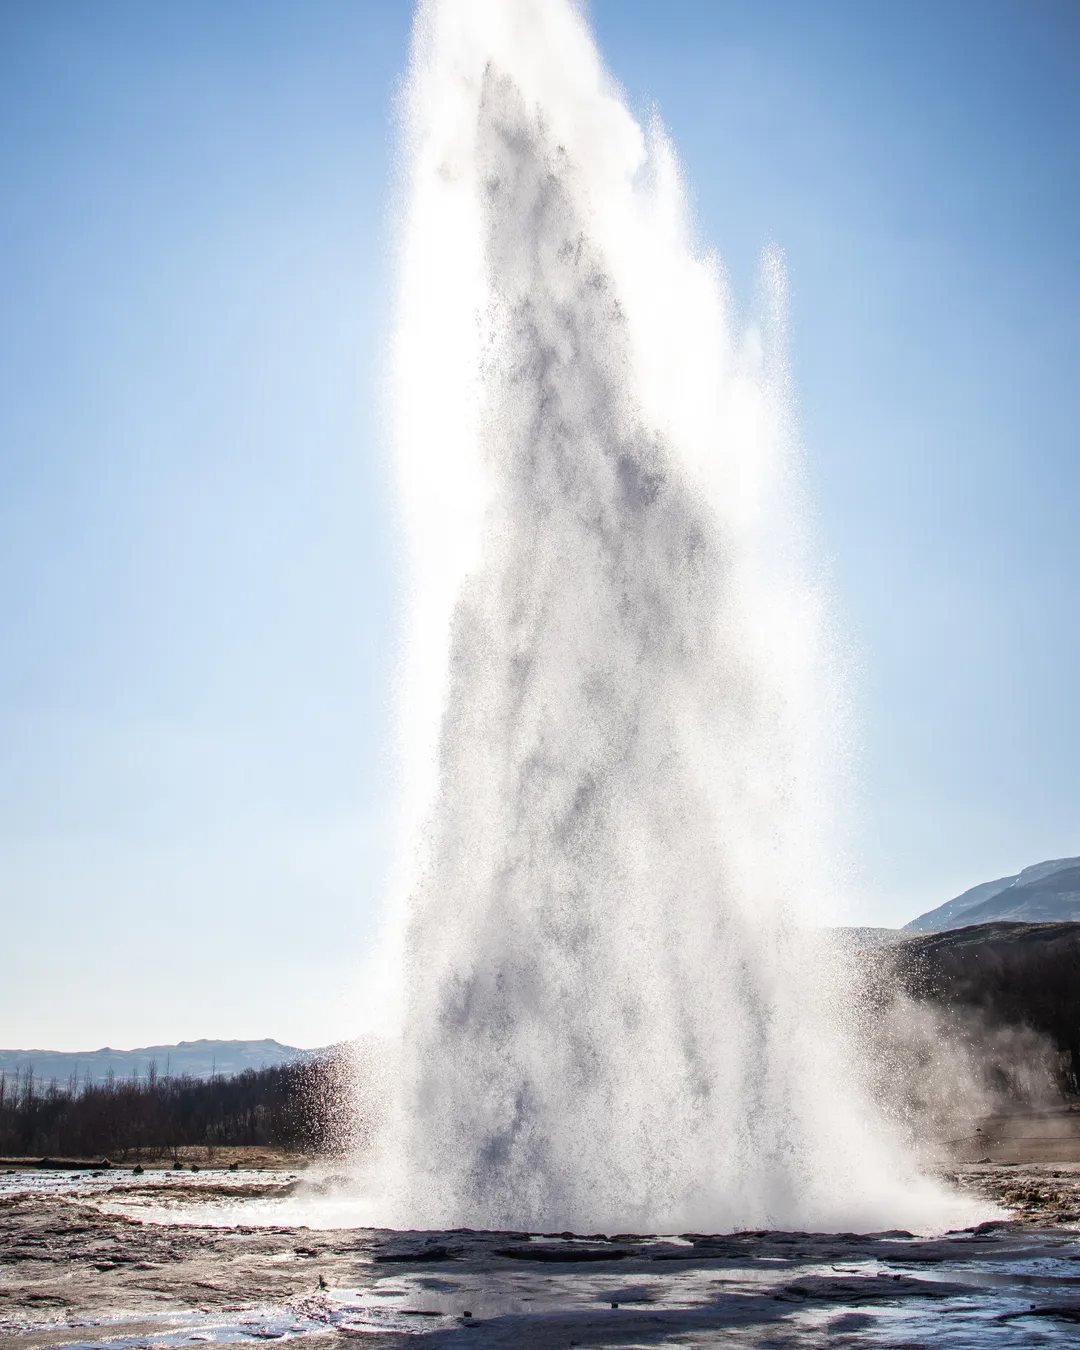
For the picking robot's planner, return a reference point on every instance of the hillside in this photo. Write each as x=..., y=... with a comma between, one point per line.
x=193, y=1059
x=1048, y=892
x=1017, y=974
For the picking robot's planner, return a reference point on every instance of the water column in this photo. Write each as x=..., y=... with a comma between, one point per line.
x=615, y=714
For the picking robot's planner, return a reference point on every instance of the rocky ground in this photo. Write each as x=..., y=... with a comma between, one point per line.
x=131, y=1261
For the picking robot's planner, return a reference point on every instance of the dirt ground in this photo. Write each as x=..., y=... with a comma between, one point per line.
x=96, y=1257
x=189, y=1156
x=1047, y=1136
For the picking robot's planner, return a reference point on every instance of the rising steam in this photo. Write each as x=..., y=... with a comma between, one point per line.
x=615, y=716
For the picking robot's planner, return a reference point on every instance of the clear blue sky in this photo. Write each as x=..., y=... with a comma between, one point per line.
x=197, y=571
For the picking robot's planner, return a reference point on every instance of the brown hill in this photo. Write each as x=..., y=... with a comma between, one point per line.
x=1019, y=974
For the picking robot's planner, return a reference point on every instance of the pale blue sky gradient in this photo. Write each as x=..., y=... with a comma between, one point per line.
x=197, y=570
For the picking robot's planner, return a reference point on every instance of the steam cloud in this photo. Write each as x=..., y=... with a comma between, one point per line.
x=615, y=717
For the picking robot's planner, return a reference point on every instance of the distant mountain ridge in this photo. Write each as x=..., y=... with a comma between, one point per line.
x=196, y=1059
x=1047, y=892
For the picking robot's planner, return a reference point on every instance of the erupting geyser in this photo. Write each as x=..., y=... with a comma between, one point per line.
x=613, y=704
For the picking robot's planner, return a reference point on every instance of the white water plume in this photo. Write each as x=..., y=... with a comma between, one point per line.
x=614, y=716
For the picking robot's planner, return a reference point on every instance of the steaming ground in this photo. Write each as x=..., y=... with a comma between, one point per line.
x=618, y=711
x=169, y=1260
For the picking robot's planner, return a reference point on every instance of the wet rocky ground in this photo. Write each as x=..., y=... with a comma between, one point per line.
x=166, y=1259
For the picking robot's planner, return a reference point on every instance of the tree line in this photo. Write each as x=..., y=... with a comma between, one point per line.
x=299, y=1108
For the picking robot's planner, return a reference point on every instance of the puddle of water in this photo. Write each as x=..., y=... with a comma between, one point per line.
x=318, y=1212
x=995, y=1281
x=49, y=1182
x=688, y=1301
